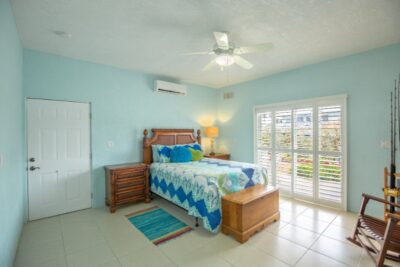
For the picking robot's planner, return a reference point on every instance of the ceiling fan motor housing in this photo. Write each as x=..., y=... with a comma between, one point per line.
x=218, y=50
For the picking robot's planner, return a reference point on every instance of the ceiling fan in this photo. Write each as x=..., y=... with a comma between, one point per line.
x=227, y=53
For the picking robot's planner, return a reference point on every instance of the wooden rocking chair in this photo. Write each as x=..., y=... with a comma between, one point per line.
x=380, y=239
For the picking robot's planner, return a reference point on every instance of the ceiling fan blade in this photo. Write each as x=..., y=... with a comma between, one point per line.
x=222, y=39
x=253, y=49
x=242, y=62
x=209, y=65
x=198, y=53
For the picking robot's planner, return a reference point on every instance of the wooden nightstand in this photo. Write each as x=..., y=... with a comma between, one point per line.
x=126, y=183
x=218, y=156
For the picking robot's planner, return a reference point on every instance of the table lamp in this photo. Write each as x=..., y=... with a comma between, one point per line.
x=212, y=133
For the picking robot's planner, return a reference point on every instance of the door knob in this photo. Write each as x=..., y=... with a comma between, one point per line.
x=32, y=159
x=32, y=168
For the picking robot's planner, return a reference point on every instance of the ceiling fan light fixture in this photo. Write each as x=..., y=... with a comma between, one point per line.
x=225, y=60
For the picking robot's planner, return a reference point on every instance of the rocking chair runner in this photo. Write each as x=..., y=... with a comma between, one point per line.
x=386, y=234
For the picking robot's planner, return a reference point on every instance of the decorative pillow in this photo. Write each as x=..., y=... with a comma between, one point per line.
x=164, y=153
x=181, y=154
x=194, y=146
x=196, y=154
x=156, y=155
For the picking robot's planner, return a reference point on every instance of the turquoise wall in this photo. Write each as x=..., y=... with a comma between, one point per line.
x=12, y=179
x=123, y=105
x=366, y=78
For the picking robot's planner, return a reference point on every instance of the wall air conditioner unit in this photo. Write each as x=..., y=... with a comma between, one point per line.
x=167, y=87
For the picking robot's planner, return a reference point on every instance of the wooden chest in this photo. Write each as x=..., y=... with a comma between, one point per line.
x=126, y=183
x=248, y=211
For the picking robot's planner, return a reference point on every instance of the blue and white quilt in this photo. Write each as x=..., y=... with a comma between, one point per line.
x=198, y=186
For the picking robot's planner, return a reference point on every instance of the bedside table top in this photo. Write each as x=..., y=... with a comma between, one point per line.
x=217, y=155
x=126, y=166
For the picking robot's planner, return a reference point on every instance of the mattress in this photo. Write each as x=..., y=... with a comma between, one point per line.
x=198, y=186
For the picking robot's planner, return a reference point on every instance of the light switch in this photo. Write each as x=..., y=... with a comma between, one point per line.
x=385, y=144
x=110, y=144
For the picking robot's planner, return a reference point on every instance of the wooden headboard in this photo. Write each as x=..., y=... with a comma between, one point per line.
x=167, y=137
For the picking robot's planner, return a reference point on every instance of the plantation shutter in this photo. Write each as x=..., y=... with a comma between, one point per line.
x=302, y=147
x=330, y=162
x=264, y=141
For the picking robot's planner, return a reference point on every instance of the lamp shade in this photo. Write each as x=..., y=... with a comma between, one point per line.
x=212, y=132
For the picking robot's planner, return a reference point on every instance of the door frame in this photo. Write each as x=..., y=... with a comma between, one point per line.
x=26, y=146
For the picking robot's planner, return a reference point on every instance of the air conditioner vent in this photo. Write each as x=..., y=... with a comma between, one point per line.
x=171, y=88
x=228, y=95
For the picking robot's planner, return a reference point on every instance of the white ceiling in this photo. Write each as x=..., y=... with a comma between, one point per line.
x=151, y=35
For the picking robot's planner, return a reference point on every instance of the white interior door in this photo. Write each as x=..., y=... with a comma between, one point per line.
x=58, y=136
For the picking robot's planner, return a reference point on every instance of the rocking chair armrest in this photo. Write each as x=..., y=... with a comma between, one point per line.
x=366, y=196
x=393, y=216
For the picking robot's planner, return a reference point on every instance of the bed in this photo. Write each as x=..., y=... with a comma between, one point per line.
x=197, y=186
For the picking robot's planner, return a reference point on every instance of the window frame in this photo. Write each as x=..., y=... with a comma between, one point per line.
x=313, y=103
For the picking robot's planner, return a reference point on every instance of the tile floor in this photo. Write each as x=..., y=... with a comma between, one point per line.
x=307, y=235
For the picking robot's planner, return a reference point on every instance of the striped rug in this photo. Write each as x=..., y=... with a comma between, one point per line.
x=158, y=225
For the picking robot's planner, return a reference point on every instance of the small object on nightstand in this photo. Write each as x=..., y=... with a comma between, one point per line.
x=126, y=183
x=218, y=156
x=212, y=132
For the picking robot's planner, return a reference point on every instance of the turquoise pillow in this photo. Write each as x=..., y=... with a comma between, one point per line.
x=181, y=154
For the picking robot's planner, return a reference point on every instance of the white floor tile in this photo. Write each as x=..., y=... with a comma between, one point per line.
x=298, y=235
x=287, y=216
x=340, y=251
x=203, y=256
x=98, y=255
x=128, y=244
x=182, y=245
x=53, y=223
x=274, y=227
x=321, y=214
x=149, y=256
x=245, y=256
x=346, y=220
x=279, y=247
x=310, y=224
x=38, y=254
x=337, y=232
x=314, y=259
x=39, y=236
x=293, y=206
x=82, y=237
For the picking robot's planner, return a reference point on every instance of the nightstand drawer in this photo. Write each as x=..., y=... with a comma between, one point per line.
x=128, y=174
x=130, y=199
x=130, y=192
x=129, y=182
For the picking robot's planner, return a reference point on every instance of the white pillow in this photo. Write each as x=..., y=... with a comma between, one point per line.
x=156, y=156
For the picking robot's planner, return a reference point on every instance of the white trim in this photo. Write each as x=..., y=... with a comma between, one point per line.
x=296, y=104
x=302, y=103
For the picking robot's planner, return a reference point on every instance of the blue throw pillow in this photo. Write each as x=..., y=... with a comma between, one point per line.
x=181, y=154
x=194, y=146
x=164, y=153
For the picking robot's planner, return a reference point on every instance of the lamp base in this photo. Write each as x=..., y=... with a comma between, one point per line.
x=212, y=153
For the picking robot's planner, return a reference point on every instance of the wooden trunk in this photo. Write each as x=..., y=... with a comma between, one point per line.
x=248, y=211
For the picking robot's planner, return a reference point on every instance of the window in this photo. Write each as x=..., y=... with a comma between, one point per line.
x=302, y=146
